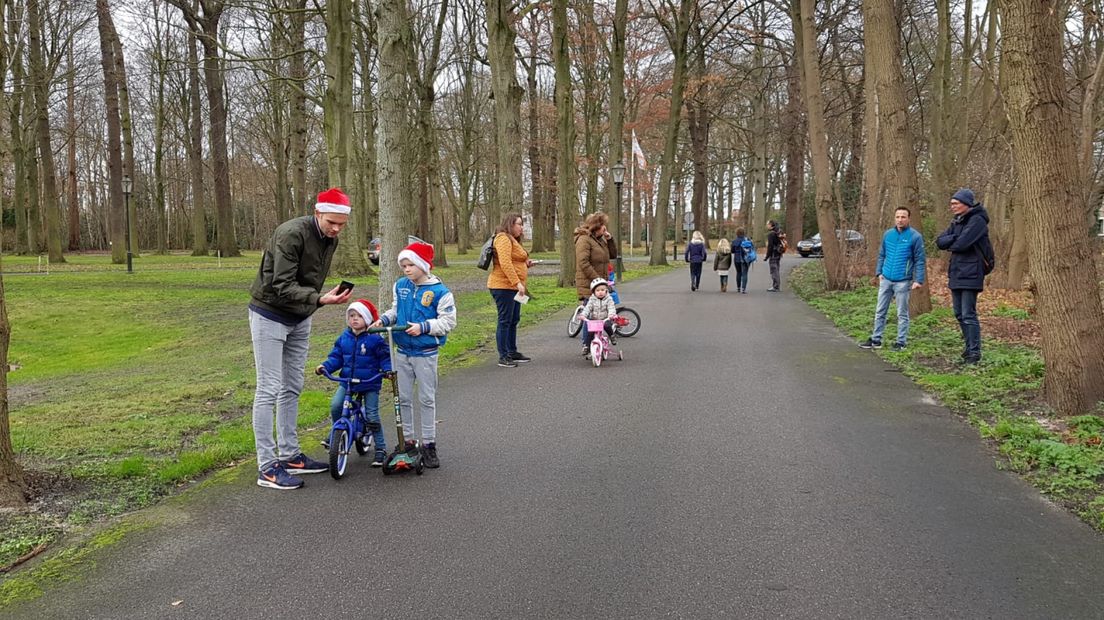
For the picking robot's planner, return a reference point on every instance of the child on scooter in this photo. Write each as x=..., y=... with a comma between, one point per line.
x=360, y=355
x=600, y=306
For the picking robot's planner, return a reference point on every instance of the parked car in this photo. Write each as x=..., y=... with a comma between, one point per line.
x=375, y=244
x=812, y=247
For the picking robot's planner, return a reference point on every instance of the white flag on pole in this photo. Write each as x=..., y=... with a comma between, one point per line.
x=638, y=153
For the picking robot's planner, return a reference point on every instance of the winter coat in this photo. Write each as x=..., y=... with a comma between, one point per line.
x=774, y=245
x=695, y=252
x=963, y=239
x=738, y=253
x=901, y=256
x=293, y=269
x=722, y=260
x=592, y=259
x=361, y=356
x=599, y=308
x=506, y=274
x=431, y=305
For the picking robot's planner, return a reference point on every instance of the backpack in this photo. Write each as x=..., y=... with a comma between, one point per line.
x=486, y=255
x=988, y=256
x=749, y=251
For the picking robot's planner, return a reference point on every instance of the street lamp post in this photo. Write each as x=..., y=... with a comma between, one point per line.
x=618, y=171
x=127, y=186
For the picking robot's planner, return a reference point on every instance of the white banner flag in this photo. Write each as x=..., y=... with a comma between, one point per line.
x=638, y=153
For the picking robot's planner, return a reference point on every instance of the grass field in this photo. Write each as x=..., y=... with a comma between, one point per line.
x=124, y=386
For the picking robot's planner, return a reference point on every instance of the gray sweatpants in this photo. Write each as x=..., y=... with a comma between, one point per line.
x=280, y=354
x=424, y=370
x=775, y=272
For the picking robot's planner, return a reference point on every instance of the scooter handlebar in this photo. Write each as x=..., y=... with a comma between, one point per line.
x=390, y=328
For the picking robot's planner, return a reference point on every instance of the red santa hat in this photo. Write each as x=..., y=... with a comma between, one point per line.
x=365, y=309
x=421, y=254
x=333, y=200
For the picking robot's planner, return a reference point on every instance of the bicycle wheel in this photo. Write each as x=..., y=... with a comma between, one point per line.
x=629, y=329
x=596, y=352
x=339, y=452
x=364, y=444
x=574, y=324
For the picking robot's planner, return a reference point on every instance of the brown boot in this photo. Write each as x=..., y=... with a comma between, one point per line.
x=724, y=288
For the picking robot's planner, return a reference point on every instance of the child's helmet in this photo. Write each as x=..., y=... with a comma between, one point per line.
x=597, y=282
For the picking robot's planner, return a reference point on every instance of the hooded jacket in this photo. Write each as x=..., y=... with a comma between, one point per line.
x=962, y=239
x=592, y=259
x=722, y=260
x=360, y=356
x=695, y=252
x=431, y=305
x=293, y=269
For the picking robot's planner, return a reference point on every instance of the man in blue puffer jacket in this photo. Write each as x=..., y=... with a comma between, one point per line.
x=901, y=268
x=964, y=239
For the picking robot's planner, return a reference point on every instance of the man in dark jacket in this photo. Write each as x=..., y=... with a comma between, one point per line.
x=964, y=239
x=774, y=255
x=286, y=292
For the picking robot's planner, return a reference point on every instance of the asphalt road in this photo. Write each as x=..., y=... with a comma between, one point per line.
x=745, y=460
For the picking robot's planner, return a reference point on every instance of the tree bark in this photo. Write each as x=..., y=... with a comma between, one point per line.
x=71, y=157
x=393, y=46
x=13, y=490
x=297, y=110
x=114, y=133
x=502, y=19
x=617, y=116
x=805, y=33
x=128, y=139
x=42, y=78
x=541, y=241
x=194, y=148
x=565, y=128
x=795, y=151
x=1068, y=296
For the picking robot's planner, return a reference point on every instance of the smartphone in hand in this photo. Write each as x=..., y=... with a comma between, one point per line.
x=344, y=286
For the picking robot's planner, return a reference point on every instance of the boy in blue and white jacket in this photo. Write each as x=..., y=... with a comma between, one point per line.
x=360, y=355
x=901, y=268
x=423, y=302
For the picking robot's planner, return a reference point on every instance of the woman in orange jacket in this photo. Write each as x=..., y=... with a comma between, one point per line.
x=509, y=271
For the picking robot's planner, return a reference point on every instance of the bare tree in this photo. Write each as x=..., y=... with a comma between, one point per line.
x=565, y=127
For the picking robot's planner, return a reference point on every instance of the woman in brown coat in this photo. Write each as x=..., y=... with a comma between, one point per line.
x=509, y=272
x=594, y=249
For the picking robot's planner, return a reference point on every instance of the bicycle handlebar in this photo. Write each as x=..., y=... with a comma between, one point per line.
x=389, y=328
x=350, y=380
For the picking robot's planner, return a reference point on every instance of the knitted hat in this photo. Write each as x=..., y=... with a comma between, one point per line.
x=333, y=200
x=421, y=254
x=964, y=196
x=365, y=309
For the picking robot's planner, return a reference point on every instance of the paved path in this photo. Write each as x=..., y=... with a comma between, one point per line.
x=745, y=460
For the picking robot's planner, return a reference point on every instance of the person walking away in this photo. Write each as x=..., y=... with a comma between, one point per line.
x=901, y=268
x=775, y=249
x=695, y=254
x=283, y=297
x=422, y=301
x=743, y=257
x=722, y=262
x=594, y=249
x=360, y=355
x=967, y=239
x=507, y=280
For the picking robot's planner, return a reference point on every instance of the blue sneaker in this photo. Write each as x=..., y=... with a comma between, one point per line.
x=380, y=458
x=276, y=477
x=303, y=464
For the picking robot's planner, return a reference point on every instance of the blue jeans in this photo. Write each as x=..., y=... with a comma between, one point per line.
x=900, y=291
x=509, y=315
x=964, y=302
x=742, y=270
x=371, y=413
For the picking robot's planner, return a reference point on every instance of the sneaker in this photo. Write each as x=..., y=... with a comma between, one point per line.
x=380, y=458
x=519, y=358
x=303, y=464
x=871, y=344
x=506, y=362
x=276, y=477
x=429, y=455
x=772, y=290
x=898, y=346
x=411, y=447
x=971, y=360
x=586, y=350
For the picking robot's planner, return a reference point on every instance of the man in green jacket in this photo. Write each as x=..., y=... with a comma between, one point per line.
x=287, y=291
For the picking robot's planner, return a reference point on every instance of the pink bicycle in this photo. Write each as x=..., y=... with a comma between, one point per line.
x=600, y=346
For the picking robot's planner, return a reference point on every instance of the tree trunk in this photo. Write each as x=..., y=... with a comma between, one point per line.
x=883, y=58
x=41, y=79
x=541, y=241
x=677, y=30
x=1068, y=295
x=194, y=147
x=795, y=152
x=393, y=46
x=13, y=490
x=592, y=104
x=805, y=33
x=501, y=33
x=18, y=144
x=297, y=110
x=941, y=149
x=565, y=128
x=128, y=139
x=74, y=244
x=114, y=134
x=157, y=78
x=617, y=117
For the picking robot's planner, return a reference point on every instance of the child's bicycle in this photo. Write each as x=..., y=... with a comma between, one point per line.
x=627, y=330
x=352, y=429
x=601, y=347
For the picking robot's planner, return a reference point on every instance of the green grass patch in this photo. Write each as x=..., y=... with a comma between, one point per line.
x=126, y=386
x=1002, y=396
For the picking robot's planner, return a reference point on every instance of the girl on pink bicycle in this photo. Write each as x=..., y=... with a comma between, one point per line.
x=599, y=307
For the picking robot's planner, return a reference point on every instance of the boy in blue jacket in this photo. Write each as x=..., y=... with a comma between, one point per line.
x=360, y=355
x=423, y=302
x=901, y=268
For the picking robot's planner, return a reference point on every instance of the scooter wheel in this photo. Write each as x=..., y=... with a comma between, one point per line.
x=419, y=469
